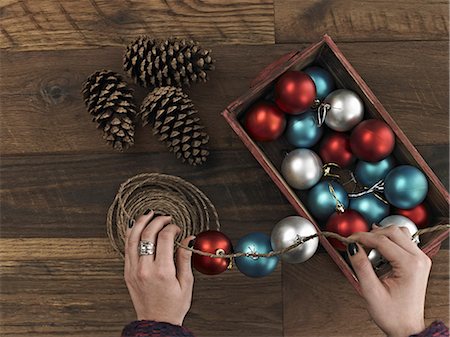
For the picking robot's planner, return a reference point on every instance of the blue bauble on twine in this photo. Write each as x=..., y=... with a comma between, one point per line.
x=255, y=266
x=321, y=202
x=405, y=186
x=367, y=174
x=322, y=79
x=371, y=207
x=302, y=130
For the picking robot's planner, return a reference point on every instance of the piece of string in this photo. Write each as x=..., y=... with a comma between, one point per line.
x=377, y=187
x=322, y=113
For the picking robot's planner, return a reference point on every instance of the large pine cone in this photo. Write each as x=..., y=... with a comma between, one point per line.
x=174, y=118
x=173, y=62
x=110, y=102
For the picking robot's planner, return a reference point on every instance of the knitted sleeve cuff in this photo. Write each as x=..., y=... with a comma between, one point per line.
x=146, y=328
x=436, y=329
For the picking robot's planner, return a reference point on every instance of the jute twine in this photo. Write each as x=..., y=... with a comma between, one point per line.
x=190, y=209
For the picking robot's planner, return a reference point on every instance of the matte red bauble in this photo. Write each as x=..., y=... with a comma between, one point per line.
x=372, y=140
x=214, y=242
x=336, y=149
x=345, y=224
x=420, y=215
x=295, y=92
x=264, y=121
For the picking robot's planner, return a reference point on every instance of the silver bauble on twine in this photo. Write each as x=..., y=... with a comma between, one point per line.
x=302, y=168
x=341, y=110
x=287, y=232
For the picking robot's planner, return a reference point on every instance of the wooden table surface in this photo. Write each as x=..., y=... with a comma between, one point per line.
x=59, y=275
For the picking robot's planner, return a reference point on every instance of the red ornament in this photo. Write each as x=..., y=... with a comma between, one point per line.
x=345, y=224
x=420, y=215
x=372, y=140
x=214, y=242
x=295, y=92
x=336, y=149
x=264, y=121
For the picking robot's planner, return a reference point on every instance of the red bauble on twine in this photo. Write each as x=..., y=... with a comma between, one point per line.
x=213, y=242
x=372, y=140
x=420, y=215
x=265, y=122
x=295, y=92
x=336, y=149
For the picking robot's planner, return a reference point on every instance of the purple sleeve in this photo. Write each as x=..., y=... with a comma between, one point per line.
x=154, y=329
x=436, y=329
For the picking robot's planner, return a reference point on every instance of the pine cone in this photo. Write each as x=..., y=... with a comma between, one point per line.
x=174, y=118
x=173, y=62
x=110, y=102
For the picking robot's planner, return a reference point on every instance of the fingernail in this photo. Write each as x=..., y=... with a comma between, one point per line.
x=147, y=211
x=352, y=248
x=191, y=243
x=131, y=223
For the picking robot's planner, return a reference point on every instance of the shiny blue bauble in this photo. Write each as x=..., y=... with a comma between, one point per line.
x=405, y=186
x=321, y=202
x=370, y=207
x=302, y=130
x=322, y=79
x=255, y=266
x=367, y=174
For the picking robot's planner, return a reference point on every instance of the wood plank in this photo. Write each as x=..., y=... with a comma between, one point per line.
x=354, y=20
x=42, y=110
x=318, y=300
x=73, y=24
x=75, y=287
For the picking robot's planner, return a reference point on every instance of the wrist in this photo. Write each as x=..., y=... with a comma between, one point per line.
x=413, y=329
x=159, y=318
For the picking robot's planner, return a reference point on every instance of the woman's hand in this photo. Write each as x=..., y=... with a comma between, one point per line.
x=160, y=290
x=396, y=303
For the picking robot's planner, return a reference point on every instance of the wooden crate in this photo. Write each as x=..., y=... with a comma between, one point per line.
x=326, y=54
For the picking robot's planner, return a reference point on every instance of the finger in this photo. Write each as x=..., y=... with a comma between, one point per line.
x=401, y=236
x=371, y=286
x=183, y=259
x=134, y=235
x=150, y=233
x=164, y=247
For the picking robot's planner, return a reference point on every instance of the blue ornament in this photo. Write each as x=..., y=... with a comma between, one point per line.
x=370, y=207
x=302, y=130
x=321, y=202
x=405, y=186
x=322, y=79
x=368, y=174
x=255, y=266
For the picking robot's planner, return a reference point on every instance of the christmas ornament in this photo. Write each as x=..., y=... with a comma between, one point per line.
x=405, y=186
x=371, y=207
x=255, y=266
x=321, y=202
x=335, y=148
x=323, y=81
x=372, y=140
x=401, y=221
x=264, y=121
x=175, y=120
x=294, y=92
x=345, y=224
x=302, y=130
x=110, y=102
x=367, y=173
x=301, y=169
x=419, y=214
x=214, y=242
x=342, y=110
x=287, y=231
x=172, y=62
x=375, y=258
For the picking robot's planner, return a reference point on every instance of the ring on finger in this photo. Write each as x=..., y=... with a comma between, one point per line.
x=146, y=247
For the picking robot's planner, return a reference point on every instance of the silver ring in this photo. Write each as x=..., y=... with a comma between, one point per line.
x=146, y=248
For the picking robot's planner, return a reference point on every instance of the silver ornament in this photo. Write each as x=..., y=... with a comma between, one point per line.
x=302, y=168
x=346, y=110
x=376, y=259
x=287, y=231
x=401, y=221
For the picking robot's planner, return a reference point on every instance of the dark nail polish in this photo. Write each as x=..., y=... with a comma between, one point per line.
x=147, y=211
x=131, y=223
x=352, y=248
x=191, y=243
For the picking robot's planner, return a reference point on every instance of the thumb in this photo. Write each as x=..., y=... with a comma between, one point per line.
x=183, y=261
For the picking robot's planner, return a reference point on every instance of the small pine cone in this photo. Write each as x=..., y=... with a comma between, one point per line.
x=175, y=119
x=110, y=102
x=172, y=62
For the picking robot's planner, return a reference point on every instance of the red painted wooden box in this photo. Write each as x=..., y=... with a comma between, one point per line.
x=326, y=54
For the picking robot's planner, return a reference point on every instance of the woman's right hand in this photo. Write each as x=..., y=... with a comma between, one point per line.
x=396, y=303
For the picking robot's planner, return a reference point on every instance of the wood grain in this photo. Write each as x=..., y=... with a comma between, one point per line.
x=316, y=289
x=73, y=24
x=77, y=289
x=354, y=20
